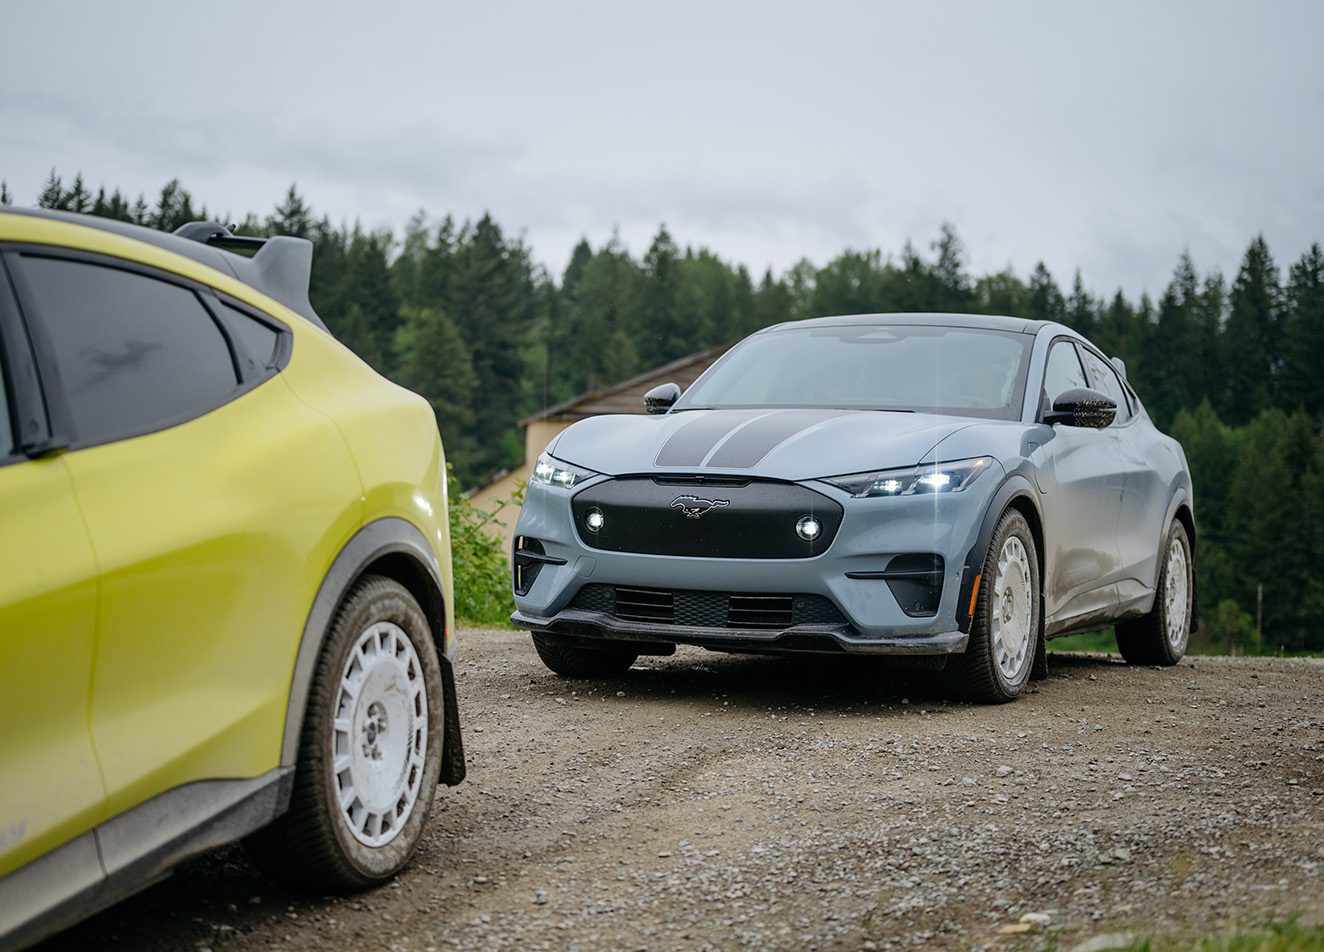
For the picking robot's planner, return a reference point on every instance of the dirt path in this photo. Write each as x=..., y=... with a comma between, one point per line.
x=712, y=801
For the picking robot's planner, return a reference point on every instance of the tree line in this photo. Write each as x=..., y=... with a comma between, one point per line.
x=460, y=312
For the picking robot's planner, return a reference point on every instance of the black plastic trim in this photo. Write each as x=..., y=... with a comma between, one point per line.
x=830, y=639
x=899, y=574
x=380, y=538
x=29, y=422
x=1015, y=487
x=134, y=850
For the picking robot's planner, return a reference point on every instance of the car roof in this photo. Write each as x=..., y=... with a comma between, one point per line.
x=992, y=322
x=282, y=280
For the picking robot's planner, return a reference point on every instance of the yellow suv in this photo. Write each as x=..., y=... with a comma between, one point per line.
x=225, y=574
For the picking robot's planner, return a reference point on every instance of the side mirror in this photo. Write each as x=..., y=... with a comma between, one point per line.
x=1082, y=407
x=661, y=398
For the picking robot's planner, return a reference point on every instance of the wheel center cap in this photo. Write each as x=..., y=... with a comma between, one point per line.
x=1007, y=610
x=374, y=730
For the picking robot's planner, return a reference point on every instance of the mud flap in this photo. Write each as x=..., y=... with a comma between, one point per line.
x=452, y=754
x=1039, y=671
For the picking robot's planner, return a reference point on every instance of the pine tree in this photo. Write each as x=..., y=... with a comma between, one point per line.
x=598, y=340
x=1175, y=373
x=174, y=207
x=292, y=216
x=141, y=213
x=663, y=330
x=1081, y=310
x=1208, y=312
x=493, y=302
x=574, y=271
x=1275, y=544
x=851, y=283
x=1116, y=331
x=1251, y=337
x=52, y=193
x=369, y=288
x=956, y=290
x=6, y=198
x=772, y=304
x=1001, y=293
x=1212, y=451
x=78, y=198
x=1303, y=336
x=1045, y=302
x=434, y=362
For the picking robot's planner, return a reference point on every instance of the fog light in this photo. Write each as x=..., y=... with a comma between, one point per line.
x=808, y=528
x=594, y=519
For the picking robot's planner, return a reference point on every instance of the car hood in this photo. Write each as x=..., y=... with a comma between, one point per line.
x=793, y=444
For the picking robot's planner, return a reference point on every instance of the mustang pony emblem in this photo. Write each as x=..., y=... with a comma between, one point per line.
x=694, y=507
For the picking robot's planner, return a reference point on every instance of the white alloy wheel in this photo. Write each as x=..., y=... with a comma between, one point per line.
x=1011, y=612
x=1176, y=593
x=379, y=738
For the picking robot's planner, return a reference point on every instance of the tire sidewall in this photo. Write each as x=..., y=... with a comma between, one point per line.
x=380, y=601
x=1011, y=524
x=1176, y=652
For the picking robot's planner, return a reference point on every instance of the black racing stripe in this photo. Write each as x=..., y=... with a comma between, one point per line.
x=757, y=440
x=696, y=439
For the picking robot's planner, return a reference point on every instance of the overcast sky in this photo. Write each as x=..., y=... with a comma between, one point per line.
x=1104, y=136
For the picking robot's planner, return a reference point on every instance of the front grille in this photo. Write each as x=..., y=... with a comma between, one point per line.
x=760, y=611
x=697, y=609
x=712, y=517
x=644, y=604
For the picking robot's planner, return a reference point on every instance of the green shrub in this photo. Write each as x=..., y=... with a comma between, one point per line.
x=1232, y=629
x=482, y=567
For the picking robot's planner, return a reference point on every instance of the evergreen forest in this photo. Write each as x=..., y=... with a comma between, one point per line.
x=462, y=313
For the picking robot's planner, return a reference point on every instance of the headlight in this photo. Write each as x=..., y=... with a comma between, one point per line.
x=918, y=481
x=553, y=472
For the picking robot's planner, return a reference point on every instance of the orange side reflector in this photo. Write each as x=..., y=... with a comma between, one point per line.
x=974, y=593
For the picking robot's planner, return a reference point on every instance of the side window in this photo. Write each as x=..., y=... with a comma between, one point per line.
x=256, y=340
x=134, y=354
x=1105, y=379
x=1063, y=371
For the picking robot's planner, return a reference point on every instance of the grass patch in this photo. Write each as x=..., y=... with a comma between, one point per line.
x=1089, y=641
x=1287, y=937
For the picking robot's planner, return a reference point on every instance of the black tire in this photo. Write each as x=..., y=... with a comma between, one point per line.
x=576, y=661
x=1146, y=640
x=314, y=845
x=976, y=675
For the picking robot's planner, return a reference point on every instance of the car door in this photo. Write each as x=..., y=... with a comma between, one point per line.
x=211, y=494
x=50, y=788
x=1085, y=476
x=1144, y=496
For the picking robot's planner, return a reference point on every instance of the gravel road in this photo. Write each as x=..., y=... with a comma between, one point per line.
x=707, y=801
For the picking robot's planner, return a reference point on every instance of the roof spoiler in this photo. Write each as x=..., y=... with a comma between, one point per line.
x=281, y=266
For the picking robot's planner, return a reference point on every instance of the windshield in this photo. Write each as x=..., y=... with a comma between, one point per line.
x=951, y=370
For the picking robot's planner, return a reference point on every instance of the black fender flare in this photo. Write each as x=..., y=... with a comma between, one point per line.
x=382, y=537
x=1014, y=487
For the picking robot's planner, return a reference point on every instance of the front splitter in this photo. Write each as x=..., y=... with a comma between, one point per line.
x=820, y=639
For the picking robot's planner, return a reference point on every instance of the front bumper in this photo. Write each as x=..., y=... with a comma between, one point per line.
x=823, y=639
x=874, y=537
